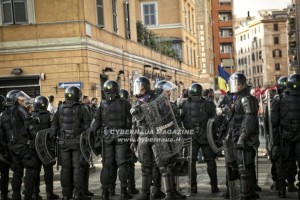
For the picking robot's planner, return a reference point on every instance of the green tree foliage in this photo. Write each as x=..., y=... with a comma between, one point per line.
x=149, y=39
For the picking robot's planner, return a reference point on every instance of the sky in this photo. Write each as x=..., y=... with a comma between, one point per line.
x=241, y=7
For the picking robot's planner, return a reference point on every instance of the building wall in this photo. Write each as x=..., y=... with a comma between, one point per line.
x=66, y=44
x=255, y=43
x=218, y=41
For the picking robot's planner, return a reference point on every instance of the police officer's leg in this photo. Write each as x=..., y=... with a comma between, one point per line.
x=156, y=175
x=113, y=178
x=86, y=175
x=146, y=160
x=108, y=158
x=4, y=169
x=78, y=174
x=246, y=165
x=210, y=159
x=297, y=158
x=38, y=166
x=28, y=161
x=66, y=174
x=131, y=173
x=274, y=176
x=48, y=177
x=18, y=172
x=195, y=149
x=285, y=155
x=291, y=175
x=122, y=157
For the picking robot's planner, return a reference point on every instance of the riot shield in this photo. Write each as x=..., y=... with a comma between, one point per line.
x=165, y=132
x=45, y=146
x=85, y=147
x=212, y=137
x=183, y=167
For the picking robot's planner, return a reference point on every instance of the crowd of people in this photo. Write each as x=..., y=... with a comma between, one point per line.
x=236, y=125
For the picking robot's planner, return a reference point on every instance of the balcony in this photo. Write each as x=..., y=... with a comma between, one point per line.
x=224, y=2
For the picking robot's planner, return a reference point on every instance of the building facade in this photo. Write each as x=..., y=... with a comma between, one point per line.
x=261, y=48
x=205, y=42
x=51, y=44
x=222, y=15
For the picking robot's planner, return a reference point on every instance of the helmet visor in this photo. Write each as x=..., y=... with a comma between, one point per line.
x=168, y=86
x=233, y=84
x=137, y=87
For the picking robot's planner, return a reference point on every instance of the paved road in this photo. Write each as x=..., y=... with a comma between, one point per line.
x=264, y=181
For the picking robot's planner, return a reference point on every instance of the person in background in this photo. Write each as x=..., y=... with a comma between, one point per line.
x=51, y=107
x=94, y=106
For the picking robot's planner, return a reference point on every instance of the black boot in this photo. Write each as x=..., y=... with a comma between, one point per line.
x=5, y=197
x=52, y=196
x=194, y=189
x=124, y=194
x=158, y=194
x=282, y=193
x=36, y=196
x=112, y=191
x=274, y=186
x=257, y=188
x=215, y=189
x=226, y=195
x=66, y=198
x=143, y=196
x=133, y=191
x=292, y=188
x=105, y=194
x=89, y=193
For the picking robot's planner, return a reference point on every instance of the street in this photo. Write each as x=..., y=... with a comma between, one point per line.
x=264, y=181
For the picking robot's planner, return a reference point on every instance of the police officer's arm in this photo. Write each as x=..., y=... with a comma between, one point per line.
x=183, y=114
x=128, y=115
x=249, y=123
x=29, y=121
x=86, y=118
x=210, y=108
x=275, y=115
x=96, y=128
x=55, y=123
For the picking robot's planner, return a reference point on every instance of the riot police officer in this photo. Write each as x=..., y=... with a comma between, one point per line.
x=40, y=111
x=68, y=123
x=244, y=133
x=289, y=121
x=16, y=124
x=4, y=166
x=86, y=165
x=132, y=157
x=167, y=167
x=150, y=170
x=196, y=112
x=112, y=118
x=275, y=149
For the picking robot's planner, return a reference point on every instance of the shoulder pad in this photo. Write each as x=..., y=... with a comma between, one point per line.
x=248, y=105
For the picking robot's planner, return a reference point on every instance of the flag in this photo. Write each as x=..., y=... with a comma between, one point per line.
x=223, y=80
x=222, y=85
x=223, y=73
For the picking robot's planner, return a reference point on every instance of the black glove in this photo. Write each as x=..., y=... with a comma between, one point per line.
x=241, y=141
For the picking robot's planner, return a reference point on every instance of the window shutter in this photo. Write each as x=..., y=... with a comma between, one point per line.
x=127, y=20
x=100, y=13
x=7, y=12
x=20, y=12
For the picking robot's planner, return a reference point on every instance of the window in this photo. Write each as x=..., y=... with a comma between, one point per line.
x=100, y=13
x=275, y=27
x=187, y=52
x=185, y=15
x=127, y=20
x=149, y=14
x=14, y=11
x=276, y=40
x=277, y=53
x=195, y=58
x=189, y=19
x=114, y=13
x=277, y=66
x=226, y=48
